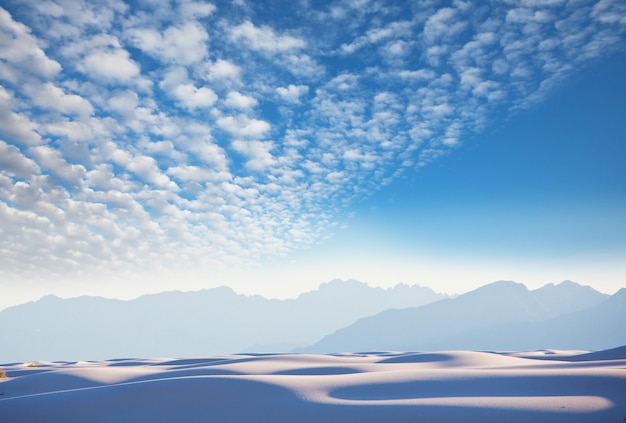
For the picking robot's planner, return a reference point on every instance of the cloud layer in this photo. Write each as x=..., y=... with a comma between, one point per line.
x=156, y=135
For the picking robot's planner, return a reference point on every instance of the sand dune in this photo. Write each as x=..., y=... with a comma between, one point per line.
x=447, y=386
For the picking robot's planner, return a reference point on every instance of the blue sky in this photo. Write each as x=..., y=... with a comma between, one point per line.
x=272, y=146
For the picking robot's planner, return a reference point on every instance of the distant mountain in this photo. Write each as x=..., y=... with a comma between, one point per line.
x=568, y=296
x=185, y=324
x=499, y=316
x=595, y=328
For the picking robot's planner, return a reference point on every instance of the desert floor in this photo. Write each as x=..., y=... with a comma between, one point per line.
x=447, y=386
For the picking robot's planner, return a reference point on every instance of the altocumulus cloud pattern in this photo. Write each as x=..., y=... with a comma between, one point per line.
x=160, y=134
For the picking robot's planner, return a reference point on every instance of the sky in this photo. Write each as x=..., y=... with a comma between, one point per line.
x=273, y=146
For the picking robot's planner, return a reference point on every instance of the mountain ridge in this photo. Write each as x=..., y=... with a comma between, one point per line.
x=174, y=323
x=498, y=316
x=220, y=321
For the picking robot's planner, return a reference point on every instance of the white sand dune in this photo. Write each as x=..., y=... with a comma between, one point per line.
x=453, y=386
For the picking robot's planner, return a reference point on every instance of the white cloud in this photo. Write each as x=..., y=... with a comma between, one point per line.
x=443, y=24
x=377, y=35
x=124, y=102
x=163, y=148
x=196, y=10
x=49, y=96
x=236, y=100
x=73, y=130
x=147, y=168
x=52, y=160
x=13, y=162
x=183, y=45
x=197, y=174
x=224, y=70
x=258, y=153
x=19, y=47
x=211, y=154
x=115, y=65
x=610, y=11
x=335, y=177
x=344, y=82
x=15, y=126
x=193, y=97
x=177, y=84
x=243, y=126
x=420, y=74
x=103, y=177
x=302, y=65
x=264, y=39
x=292, y=93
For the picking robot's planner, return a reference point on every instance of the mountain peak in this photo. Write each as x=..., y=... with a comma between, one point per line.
x=50, y=297
x=498, y=288
x=567, y=296
x=563, y=285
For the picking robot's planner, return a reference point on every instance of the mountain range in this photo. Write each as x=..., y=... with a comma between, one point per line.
x=338, y=316
x=499, y=316
x=187, y=324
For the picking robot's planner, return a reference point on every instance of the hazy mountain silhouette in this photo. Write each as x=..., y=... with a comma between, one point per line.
x=600, y=327
x=212, y=321
x=498, y=316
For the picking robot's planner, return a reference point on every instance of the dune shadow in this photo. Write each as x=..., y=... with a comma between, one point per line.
x=191, y=362
x=222, y=399
x=418, y=358
x=130, y=363
x=261, y=354
x=318, y=371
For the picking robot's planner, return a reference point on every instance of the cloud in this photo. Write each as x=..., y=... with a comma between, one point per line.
x=49, y=96
x=264, y=39
x=610, y=12
x=420, y=74
x=237, y=100
x=124, y=102
x=197, y=174
x=13, y=125
x=302, y=65
x=444, y=24
x=258, y=153
x=194, y=97
x=13, y=162
x=53, y=161
x=178, y=134
x=177, y=84
x=113, y=65
x=147, y=168
x=243, y=126
x=184, y=44
x=292, y=93
x=224, y=70
x=20, y=48
x=211, y=154
x=376, y=35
